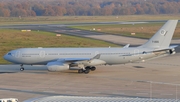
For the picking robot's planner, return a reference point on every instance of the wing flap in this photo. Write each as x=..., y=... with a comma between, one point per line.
x=82, y=61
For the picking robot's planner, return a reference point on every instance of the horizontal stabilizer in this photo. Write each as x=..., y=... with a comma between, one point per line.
x=170, y=48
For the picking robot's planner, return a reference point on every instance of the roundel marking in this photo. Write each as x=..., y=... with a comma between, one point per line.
x=163, y=32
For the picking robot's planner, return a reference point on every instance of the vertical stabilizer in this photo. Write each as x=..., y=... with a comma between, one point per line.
x=163, y=37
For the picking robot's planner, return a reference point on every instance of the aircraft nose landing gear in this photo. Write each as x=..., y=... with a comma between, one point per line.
x=22, y=68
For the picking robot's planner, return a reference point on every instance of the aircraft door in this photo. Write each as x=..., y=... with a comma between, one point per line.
x=17, y=55
x=97, y=52
x=42, y=54
x=136, y=52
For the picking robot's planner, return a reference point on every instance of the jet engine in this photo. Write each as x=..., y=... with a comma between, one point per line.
x=57, y=66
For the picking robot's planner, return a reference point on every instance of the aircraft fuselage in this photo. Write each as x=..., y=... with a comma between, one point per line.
x=109, y=55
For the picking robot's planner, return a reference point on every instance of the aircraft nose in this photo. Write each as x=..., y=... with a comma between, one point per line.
x=5, y=57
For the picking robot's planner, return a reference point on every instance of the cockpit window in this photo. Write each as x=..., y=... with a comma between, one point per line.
x=9, y=53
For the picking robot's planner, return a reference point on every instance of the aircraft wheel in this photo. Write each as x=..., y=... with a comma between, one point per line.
x=80, y=71
x=21, y=69
x=93, y=68
x=86, y=71
x=87, y=67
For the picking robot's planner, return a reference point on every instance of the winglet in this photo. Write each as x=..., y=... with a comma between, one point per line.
x=126, y=46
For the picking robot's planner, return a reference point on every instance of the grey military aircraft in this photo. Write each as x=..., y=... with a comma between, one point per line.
x=85, y=59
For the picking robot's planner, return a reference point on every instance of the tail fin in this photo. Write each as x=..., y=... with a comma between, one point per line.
x=163, y=37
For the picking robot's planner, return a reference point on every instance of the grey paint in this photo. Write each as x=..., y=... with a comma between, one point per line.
x=157, y=46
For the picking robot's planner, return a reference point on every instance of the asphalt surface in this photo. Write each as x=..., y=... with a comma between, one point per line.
x=96, y=99
x=156, y=78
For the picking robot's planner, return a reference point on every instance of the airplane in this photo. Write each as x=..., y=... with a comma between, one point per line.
x=86, y=59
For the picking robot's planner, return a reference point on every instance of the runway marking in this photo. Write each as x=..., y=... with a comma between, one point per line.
x=118, y=93
x=95, y=92
x=26, y=90
x=72, y=92
x=167, y=94
x=162, y=64
x=142, y=93
x=48, y=91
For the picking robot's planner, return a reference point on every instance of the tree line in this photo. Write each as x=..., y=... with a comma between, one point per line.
x=25, y=8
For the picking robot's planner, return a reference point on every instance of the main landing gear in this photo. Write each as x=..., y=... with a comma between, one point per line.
x=22, y=68
x=87, y=69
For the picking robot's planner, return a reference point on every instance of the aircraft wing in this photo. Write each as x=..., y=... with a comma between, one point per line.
x=83, y=61
x=71, y=60
x=66, y=63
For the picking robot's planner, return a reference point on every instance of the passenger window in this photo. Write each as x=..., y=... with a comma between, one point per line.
x=9, y=53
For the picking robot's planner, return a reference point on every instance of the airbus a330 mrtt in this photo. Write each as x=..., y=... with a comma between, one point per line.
x=85, y=59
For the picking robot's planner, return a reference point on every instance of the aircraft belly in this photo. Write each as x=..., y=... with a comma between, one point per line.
x=129, y=59
x=155, y=55
x=147, y=56
x=115, y=59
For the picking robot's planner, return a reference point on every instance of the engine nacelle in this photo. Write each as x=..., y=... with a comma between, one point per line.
x=57, y=66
